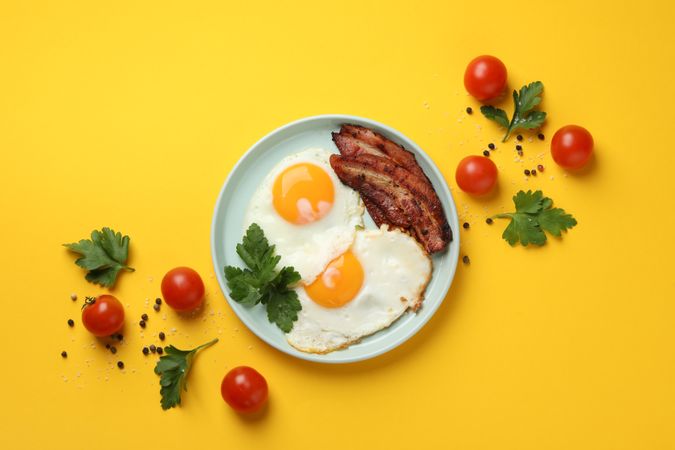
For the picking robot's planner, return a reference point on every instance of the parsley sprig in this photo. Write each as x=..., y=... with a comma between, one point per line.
x=103, y=256
x=524, y=115
x=261, y=283
x=173, y=369
x=534, y=215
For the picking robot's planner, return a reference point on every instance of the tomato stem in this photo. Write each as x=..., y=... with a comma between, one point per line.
x=88, y=301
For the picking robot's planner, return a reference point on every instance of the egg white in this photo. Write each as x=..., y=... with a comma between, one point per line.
x=310, y=247
x=396, y=273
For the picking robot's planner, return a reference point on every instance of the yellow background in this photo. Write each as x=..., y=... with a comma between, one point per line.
x=131, y=115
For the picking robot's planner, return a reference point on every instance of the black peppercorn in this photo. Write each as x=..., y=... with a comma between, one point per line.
x=541, y=136
x=158, y=301
x=144, y=316
x=486, y=153
x=71, y=323
x=113, y=349
x=465, y=259
x=120, y=364
x=469, y=110
x=159, y=350
x=491, y=146
x=142, y=323
x=488, y=221
x=540, y=168
x=145, y=350
x=466, y=225
x=152, y=347
x=533, y=172
x=64, y=354
x=519, y=147
x=527, y=172
x=155, y=307
x=161, y=336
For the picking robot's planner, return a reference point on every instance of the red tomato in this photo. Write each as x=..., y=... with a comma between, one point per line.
x=103, y=315
x=572, y=146
x=476, y=175
x=485, y=77
x=183, y=289
x=244, y=389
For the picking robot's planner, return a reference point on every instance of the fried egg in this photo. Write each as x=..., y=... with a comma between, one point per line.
x=306, y=212
x=364, y=290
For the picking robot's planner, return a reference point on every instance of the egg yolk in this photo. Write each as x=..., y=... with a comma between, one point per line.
x=303, y=193
x=339, y=283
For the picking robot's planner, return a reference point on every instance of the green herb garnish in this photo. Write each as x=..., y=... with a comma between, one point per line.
x=103, y=256
x=173, y=369
x=260, y=283
x=534, y=215
x=524, y=115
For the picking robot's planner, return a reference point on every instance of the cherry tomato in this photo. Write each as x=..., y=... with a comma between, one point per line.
x=476, y=175
x=485, y=77
x=183, y=289
x=103, y=315
x=572, y=146
x=244, y=389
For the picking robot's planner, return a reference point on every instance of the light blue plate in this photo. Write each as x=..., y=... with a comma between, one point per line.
x=248, y=173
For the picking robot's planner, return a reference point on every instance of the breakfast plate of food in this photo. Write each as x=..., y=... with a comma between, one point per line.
x=335, y=238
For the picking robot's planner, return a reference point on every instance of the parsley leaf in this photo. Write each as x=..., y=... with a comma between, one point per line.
x=282, y=309
x=173, y=369
x=556, y=220
x=528, y=202
x=524, y=115
x=261, y=283
x=534, y=215
x=103, y=256
x=286, y=277
x=496, y=114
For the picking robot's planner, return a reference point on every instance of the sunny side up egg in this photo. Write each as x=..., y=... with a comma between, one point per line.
x=306, y=211
x=364, y=290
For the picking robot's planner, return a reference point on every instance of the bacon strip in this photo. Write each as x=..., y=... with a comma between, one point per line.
x=391, y=149
x=414, y=208
x=374, y=210
x=387, y=210
x=399, y=194
x=351, y=146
